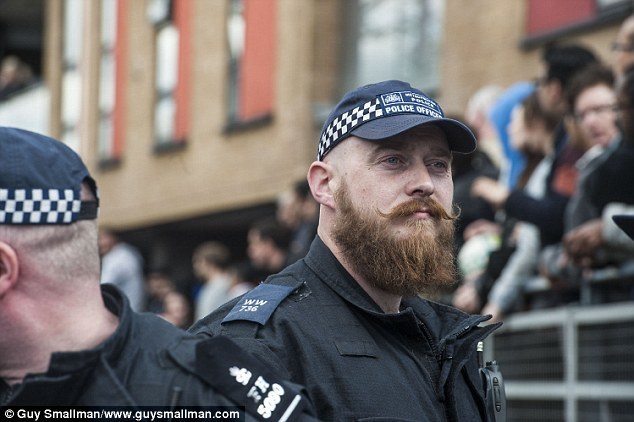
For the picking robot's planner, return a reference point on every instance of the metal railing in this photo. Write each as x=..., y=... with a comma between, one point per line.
x=568, y=364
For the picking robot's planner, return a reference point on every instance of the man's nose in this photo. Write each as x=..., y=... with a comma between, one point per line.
x=420, y=183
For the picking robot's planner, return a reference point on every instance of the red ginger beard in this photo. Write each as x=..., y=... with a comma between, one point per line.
x=421, y=263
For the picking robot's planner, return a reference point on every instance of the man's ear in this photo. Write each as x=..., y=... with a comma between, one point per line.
x=319, y=179
x=9, y=268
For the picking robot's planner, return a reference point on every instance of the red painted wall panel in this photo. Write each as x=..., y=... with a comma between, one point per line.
x=257, y=70
x=183, y=22
x=548, y=15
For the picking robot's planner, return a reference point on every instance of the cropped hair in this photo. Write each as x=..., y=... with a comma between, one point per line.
x=591, y=76
x=563, y=61
x=273, y=230
x=214, y=253
x=65, y=253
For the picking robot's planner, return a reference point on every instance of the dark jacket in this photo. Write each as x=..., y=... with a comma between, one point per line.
x=356, y=361
x=547, y=213
x=146, y=362
x=613, y=179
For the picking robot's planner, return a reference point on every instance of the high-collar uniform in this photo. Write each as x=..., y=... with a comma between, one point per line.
x=356, y=361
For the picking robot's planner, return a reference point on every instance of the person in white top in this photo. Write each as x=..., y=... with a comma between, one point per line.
x=122, y=265
x=211, y=264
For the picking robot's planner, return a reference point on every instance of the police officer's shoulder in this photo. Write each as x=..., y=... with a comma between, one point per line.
x=210, y=324
x=258, y=305
x=151, y=332
x=243, y=379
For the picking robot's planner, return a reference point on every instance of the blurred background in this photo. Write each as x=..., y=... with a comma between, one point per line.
x=198, y=118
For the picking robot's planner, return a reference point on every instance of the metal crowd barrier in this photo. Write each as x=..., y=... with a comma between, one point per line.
x=570, y=364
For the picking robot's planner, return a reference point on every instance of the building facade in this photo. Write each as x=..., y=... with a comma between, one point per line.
x=194, y=115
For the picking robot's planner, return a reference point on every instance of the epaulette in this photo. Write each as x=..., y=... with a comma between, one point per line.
x=246, y=381
x=259, y=304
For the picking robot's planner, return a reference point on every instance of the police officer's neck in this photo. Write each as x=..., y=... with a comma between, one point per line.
x=52, y=323
x=388, y=302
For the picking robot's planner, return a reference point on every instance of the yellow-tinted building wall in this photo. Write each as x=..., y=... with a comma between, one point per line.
x=481, y=46
x=219, y=171
x=216, y=171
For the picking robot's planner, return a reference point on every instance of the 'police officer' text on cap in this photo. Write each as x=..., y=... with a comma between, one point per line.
x=379, y=111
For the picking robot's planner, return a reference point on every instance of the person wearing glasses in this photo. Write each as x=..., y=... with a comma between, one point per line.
x=593, y=103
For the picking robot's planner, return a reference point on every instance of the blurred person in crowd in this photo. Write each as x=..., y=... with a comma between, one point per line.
x=466, y=168
x=560, y=63
x=176, y=309
x=66, y=340
x=347, y=320
x=211, y=264
x=593, y=106
x=122, y=265
x=165, y=301
x=623, y=47
x=158, y=285
x=242, y=280
x=477, y=116
x=592, y=240
x=532, y=132
x=287, y=211
x=308, y=215
x=15, y=75
x=593, y=102
x=500, y=116
x=268, y=243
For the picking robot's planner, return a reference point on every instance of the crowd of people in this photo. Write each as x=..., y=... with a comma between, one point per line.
x=540, y=218
x=273, y=243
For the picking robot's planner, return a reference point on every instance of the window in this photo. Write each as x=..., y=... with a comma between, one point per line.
x=112, y=63
x=251, y=37
x=71, y=79
x=171, y=20
x=393, y=39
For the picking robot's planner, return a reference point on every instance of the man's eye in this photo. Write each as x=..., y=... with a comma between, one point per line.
x=440, y=165
x=392, y=160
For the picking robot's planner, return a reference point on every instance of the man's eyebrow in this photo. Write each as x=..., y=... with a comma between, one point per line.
x=391, y=144
x=404, y=146
x=441, y=152
x=380, y=147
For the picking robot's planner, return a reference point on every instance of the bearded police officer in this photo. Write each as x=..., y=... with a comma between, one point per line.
x=346, y=321
x=66, y=341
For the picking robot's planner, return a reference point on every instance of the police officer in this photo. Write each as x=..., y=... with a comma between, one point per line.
x=64, y=340
x=346, y=321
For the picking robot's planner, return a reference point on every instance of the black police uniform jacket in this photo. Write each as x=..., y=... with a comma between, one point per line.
x=147, y=362
x=356, y=361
